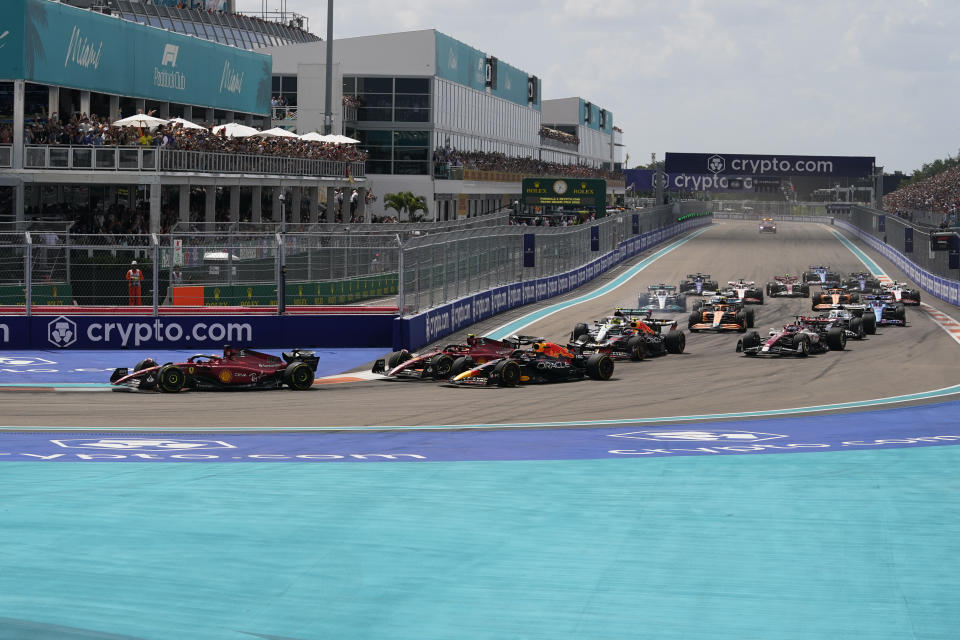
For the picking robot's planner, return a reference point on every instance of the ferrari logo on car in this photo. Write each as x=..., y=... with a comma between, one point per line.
x=225, y=376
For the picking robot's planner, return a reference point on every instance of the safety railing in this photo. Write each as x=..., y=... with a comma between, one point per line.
x=282, y=114
x=64, y=157
x=6, y=156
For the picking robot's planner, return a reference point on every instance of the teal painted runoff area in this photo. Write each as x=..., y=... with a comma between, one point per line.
x=861, y=544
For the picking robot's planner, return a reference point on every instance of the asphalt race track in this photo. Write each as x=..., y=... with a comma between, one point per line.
x=567, y=511
x=709, y=378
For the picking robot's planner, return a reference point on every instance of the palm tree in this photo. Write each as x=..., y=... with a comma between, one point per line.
x=406, y=201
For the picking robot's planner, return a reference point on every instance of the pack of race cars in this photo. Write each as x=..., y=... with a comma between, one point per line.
x=845, y=308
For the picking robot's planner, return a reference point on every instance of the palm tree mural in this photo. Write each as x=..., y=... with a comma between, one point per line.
x=406, y=201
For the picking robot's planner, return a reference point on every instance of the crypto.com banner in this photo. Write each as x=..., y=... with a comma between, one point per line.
x=754, y=165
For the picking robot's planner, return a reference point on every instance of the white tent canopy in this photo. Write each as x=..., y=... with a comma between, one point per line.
x=141, y=120
x=235, y=130
x=313, y=136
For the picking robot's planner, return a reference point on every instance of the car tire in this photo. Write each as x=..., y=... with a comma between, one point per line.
x=836, y=339
x=675, y=341
x=170, y=379
x=442, y=365
x=901, y=313
x=804, y=345
x=579, y=329
x=750, y=318
x=869, y=322
x=397, y=358
x=815, y=300
x=856, y=326
x=298, y=376
x=637, y=348
x=742, y=321
x=693, y=319
x=509, y=373
x=461, y=364
x=759, y=297
x=805, y=290
x=600, y=366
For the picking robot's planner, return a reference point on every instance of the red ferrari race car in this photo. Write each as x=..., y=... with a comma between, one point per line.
x=442, y=363
x=236, y=369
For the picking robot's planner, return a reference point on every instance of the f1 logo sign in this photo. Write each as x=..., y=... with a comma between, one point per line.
x=170, y=53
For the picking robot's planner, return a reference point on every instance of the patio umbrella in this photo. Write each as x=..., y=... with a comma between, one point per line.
x=141, y=120
x=186, y=124
x=277, y=132
x=313, y=136
x=340, y=139
x=235, y=130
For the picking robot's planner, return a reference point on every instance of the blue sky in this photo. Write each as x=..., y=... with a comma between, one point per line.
x=817, y=77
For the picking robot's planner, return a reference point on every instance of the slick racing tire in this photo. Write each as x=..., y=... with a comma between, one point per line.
x=900, y=313
x=836, y=339
x=759, y=297
x=815, y=300
x=742, y=321
x=579, y=329
x=803, y=349
x=599, y=366
x=442, y=365
x=692, y=320
x=750, y=318
x=805, y=291
x=869, y=322
x=298, y=376
x=675, y=341
x=751, y=340
x=637, y=348
x=856, y=326
x=509, y=372
x=147, y=380
x=461, y=364
x=170, y=379
x=397, y=357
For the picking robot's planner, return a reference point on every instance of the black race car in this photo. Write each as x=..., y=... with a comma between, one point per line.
x=787, y=286
x=542, y=362
x=862, y=282
x=820, y=274
x=699, y=284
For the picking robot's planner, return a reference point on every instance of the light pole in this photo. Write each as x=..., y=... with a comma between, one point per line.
x=282, y=280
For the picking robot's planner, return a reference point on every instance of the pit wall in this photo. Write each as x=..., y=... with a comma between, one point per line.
x=937, y=286
x=412, y=332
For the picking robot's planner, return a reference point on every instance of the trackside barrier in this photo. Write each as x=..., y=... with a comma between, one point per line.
x=942, y=288
x=412, y=332
x=726, y=215
x=195, y=333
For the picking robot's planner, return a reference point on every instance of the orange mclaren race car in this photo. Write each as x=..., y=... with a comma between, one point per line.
x=720, y=314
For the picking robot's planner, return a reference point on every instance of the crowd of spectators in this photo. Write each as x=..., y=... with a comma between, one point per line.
x=446, y=157
x=84, y=130
x=939, y=193
x=559, y=136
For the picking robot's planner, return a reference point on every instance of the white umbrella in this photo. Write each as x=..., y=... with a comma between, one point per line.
x=186, y=124
x=141, y=120
x=235, y=130
x=277, y=132
x=313, y=136
x=339, y=139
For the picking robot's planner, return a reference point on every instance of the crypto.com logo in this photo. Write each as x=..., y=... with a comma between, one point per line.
x=716, y=164
x=141, y=444
x=699, y=435
x=62, y=332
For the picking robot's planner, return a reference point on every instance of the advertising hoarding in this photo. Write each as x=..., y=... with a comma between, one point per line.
x=767, y=165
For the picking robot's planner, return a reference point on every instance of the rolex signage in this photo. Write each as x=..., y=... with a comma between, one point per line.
x=565, y=191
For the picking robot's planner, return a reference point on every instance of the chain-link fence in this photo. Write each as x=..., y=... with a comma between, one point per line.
x=439, y=268
x=56, y=268
x=906, y=236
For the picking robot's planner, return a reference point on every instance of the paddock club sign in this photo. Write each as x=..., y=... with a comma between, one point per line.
x=753, y=165
x=567, y=192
